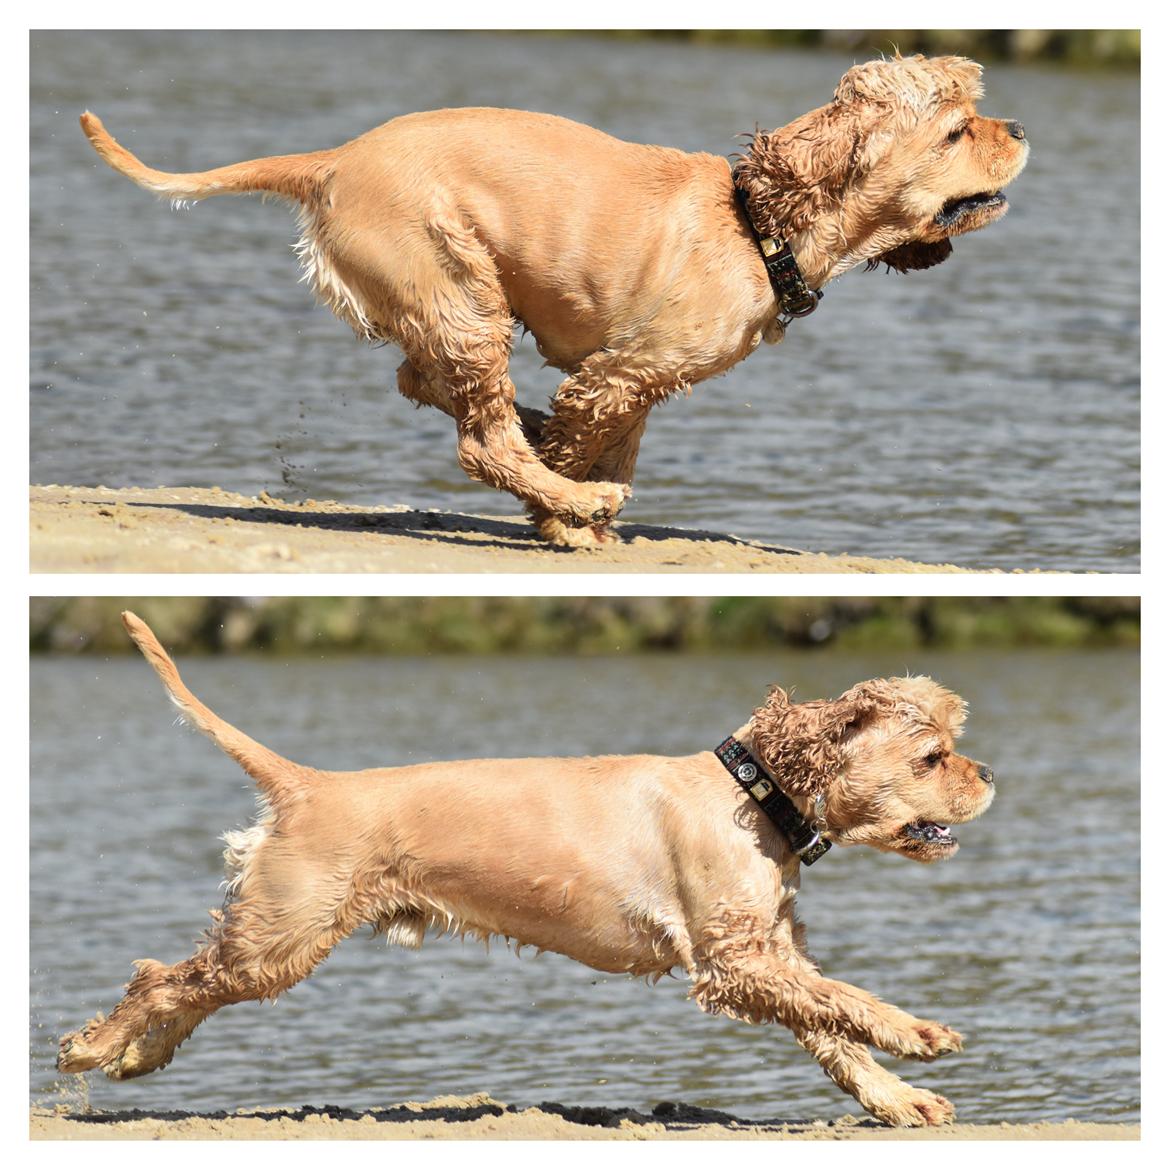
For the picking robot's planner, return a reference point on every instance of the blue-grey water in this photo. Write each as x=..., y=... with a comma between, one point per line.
x=1027, y=941
x=985, y=412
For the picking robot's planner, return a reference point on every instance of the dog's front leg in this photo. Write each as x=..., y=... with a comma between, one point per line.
x=751, y=976
x=598, y=419
x=851, y=1066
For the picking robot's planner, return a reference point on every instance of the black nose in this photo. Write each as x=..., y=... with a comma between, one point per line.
x=986, y=774
x=1016, y=130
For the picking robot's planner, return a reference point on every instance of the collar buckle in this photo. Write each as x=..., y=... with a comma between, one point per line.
x=803, y=306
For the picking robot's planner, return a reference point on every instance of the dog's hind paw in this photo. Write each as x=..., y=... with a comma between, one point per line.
x=143, y=1055
x=558, y=533
x=614, y=499
x=74, y=1052
x=595, y=536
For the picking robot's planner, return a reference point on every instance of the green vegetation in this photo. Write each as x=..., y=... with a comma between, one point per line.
x=1114, y=47
x=581, y=625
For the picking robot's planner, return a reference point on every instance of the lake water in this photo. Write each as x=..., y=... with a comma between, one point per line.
x=1027, y=941
x=984, y=413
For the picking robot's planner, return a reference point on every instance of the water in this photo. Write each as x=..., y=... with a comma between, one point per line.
x=1027, y=942
x=985, y=412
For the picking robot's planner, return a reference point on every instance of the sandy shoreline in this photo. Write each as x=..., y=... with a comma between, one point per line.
x=208, y=530
x=479, y=1118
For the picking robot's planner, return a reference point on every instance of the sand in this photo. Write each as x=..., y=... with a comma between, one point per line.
x=479, y=1118
x=208, y=530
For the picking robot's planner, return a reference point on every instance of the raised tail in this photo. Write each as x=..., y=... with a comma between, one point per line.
x=277, y=777
x=295, y=176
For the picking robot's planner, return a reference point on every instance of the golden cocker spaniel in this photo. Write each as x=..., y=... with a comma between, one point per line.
x=640, y=864
x=639, y=270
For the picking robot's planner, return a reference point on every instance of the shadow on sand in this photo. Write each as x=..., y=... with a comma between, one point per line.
x=447, y=527
x=674, y=1115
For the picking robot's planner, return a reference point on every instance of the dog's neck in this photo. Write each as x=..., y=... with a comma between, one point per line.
x=819, y=246
x=804, y=805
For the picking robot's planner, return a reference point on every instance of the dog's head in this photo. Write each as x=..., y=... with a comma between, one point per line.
x=882, y=760
x=893, y=168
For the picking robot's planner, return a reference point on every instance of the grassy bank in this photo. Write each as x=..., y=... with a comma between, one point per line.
x=547, y=625
x=1110, y=47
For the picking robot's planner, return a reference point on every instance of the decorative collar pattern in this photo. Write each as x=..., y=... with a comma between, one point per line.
x=749, y=774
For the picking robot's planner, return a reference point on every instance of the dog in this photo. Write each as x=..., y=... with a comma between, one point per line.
x=639, y=270
x=637, y=864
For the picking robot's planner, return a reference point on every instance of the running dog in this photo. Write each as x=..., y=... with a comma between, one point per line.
x=638, y=864
x=639, y=270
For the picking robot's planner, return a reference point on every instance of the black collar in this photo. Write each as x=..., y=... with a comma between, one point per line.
x=749, y=774
x=795, y=297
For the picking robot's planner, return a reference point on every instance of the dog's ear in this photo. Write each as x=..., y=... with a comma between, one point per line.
x=913, y=257
x=800, y=743
x=795, y=174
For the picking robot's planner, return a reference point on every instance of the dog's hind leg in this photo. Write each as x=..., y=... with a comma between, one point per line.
x=455, y=325
x=283, y=915
x=161, y=1008
x=286, y=907
x=429, y=390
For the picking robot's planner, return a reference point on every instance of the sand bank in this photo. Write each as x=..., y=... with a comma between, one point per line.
x=480, y=1118
x=207, y=530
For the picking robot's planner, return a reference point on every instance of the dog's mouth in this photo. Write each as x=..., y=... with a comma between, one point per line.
x=971, y=211
x=929, y=835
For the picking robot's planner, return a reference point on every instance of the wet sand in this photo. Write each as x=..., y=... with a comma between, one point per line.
x=208, y=530
x=479, y=1118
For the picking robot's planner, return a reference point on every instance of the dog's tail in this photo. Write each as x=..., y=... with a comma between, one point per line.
x=277, y=777
x=295, y=176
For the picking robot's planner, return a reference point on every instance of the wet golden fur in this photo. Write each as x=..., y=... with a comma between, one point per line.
x=638, y=864
x=633, y=266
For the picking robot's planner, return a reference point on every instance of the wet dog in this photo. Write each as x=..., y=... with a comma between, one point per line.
x=639, y=270
x=638, y=864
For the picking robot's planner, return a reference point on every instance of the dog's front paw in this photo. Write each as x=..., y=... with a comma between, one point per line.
x=598, y=503
x=934, y=1040
x=913, y=1109
x=611, y=500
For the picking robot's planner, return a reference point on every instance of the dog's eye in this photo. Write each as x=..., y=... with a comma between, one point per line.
x=956, y=134
x=933, y=760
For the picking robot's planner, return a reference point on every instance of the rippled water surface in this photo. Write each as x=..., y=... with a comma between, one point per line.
x=985, y=412
x=1027, y=941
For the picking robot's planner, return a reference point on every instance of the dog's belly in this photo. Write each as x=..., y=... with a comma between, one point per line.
x=616, y=946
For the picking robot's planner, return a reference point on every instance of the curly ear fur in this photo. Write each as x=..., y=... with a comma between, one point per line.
x=800, y=743
x=797, y=173
x=912, y=257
